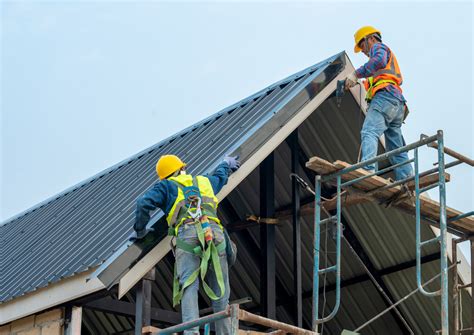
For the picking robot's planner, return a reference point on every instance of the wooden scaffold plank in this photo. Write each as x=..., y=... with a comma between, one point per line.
x=366, y=190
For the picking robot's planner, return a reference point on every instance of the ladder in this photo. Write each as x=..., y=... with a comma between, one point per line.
x=345, y=182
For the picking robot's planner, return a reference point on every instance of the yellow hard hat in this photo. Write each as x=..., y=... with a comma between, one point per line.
x=361, y=33
x=167, y=165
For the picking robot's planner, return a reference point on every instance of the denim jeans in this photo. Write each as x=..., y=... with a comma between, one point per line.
x=186, y=264
x=385, y=116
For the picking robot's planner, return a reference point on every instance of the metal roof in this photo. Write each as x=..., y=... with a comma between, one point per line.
x=82, y=227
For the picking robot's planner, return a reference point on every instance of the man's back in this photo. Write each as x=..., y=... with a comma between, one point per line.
x=164, y=193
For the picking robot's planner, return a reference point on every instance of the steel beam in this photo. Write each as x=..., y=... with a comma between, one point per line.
x=267, y=238
x=295, y=201
x=143, y=302
x=249, y=243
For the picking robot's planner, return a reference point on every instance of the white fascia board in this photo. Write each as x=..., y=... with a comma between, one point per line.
x=143, y=266
x=55, y=294
x=153, y=257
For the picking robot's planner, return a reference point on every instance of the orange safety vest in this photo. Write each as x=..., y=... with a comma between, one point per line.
x=390, y=75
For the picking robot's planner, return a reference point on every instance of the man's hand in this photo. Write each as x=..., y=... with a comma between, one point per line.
x=233, y=162
x=351, y=81
x=138, y=235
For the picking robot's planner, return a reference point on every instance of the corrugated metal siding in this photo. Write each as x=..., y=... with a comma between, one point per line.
x=82, y=227
x=95, y=323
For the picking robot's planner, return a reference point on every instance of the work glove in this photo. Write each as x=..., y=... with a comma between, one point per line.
x=351, y=81
x=233, y=162
x=138, y=235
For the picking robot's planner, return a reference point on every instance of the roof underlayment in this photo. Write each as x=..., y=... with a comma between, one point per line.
x=82, y=227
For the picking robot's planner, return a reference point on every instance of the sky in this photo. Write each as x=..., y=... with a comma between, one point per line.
x=86, y=84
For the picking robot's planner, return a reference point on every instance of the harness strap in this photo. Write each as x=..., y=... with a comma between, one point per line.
x=208, y=207
x=196, y=249
x=212, y=254
x=370, y=90
x=177, y=292
x=207, y=252
x=188, y=247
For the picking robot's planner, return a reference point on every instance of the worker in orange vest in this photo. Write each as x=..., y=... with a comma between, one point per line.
x=387, y=105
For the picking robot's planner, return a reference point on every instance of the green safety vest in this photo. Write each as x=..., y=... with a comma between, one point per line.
x=178, y=213
x=207, y=251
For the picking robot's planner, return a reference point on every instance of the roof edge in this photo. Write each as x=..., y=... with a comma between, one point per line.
x=163, y=142
x=49, y=296
x=250, y=160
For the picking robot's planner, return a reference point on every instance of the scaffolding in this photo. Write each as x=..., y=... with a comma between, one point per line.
x=354, y=185
x=235, y=314
x=360, y=185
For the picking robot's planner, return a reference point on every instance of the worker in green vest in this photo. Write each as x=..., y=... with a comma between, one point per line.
x=190, y=205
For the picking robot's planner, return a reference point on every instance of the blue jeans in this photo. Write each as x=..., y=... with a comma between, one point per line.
x=385, y=116
x=186, y=264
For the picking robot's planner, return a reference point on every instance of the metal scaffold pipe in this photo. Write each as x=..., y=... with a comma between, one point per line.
x=399, y=301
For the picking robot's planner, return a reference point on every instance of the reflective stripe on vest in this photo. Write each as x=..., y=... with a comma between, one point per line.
x=390, y=75
x=209, y=201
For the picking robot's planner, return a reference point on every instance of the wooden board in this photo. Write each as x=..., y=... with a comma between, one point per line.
x=150, y=330
x=429, y=207
x=348, y=198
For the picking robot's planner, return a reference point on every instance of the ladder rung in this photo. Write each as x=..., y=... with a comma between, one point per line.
x=329, y=269
x=429, y=187
x=328, y=220
x=430, y=241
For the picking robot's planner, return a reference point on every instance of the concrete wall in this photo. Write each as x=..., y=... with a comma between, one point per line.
x=48, y=323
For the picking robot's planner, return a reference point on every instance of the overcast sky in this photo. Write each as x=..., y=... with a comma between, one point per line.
x=85, y=85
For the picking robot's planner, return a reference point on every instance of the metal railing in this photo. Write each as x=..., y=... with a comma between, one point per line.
x=435, y=141
x=234, y=313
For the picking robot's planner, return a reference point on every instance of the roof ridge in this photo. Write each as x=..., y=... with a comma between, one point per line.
x=169, y=139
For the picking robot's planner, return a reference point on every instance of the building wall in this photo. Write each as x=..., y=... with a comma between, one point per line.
x=48, y=323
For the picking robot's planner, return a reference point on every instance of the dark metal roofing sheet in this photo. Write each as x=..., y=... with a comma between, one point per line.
x=81, y=227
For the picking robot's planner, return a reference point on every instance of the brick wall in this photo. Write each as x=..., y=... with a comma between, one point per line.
x=48, y=323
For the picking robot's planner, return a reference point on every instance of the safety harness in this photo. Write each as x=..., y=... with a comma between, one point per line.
x=197, y=209
x=371, y=86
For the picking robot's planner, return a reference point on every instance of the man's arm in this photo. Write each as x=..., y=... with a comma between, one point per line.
x=378, y=60
x=220, y=176
x=154, y=199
